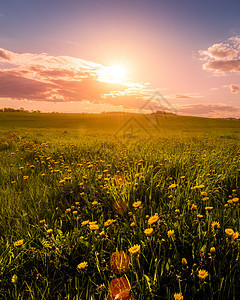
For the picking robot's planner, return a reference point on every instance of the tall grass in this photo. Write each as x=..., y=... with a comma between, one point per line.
x=51, y=182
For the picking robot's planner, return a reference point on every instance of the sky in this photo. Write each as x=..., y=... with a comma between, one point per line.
x=107, y=55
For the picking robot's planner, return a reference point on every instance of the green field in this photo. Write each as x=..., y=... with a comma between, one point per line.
x=176, y=176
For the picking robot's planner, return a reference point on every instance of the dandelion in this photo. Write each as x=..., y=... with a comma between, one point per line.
x=229, y=232
x=68, y=210
x=215, y=225
x=49, y=231
x=148, y=231
x=178, y=296
x=172, y=186
x=135, y=249
x=137, y=204
x=177, y=211
x=208, y=208
x=202, y=274
x=235, y=235
x=82, y=265
x=95, y=203
x=42, y=221
x=109, y=222
x=235, y=200
x=102, y=233
x=132, y=224
x=194, y=207
x=153, y=219
x=93, y=227
x=85, y=222
x=170, y=234
x=212, y=250
x=200, y=216
x=18, y=243
x=184, y=262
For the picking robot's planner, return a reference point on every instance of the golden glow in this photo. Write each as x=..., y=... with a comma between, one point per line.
x=113, y=74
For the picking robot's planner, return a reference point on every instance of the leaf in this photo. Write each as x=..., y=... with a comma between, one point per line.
x=119, y=262
x=120, y=206
x=120, y=288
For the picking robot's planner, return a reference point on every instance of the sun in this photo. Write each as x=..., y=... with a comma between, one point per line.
x=112, y=74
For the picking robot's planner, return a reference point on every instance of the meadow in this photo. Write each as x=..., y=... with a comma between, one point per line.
x=119, y=206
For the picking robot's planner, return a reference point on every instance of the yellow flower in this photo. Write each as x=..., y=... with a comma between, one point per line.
x=68, y=210
x=177, y=211
x=172, y=186
x=109, y=222
x=93, y=226
x=18, y=243
x=235, y=235
x=209, y=208
x=132, y=224
x=203, y=193
x=148, y=231
x=95, y=203
x=193, y=207
x=170, y=233
x=93, y=223
x=82, y=265
x=215, y=225
x=178, y=296
x=102, y=233
x=202, y=274
x=42, y=221
x=49, y=231
x=212, y=250
x=137, y=204
x=135, y=249
x=229, y=232
x=184, y=262
x=153, y=219
x=200, y=216
x=235, y=200
x=85, y=222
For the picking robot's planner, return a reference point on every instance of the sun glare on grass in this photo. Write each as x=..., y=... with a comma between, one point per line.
x=113, y=74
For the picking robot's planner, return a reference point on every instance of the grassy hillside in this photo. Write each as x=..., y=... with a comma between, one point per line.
x=77, y=188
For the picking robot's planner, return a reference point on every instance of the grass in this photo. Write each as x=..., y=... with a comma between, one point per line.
x=59, y=170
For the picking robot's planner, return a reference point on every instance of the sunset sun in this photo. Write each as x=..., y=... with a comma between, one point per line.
x=113, y=74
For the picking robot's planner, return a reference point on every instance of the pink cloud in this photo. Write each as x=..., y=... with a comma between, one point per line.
x=183, y=96
x=4, y=54
x=234, y=89
x=222, y=58
x=41, y=77
x=222, y=66
x=210, y=110
x=220, y=51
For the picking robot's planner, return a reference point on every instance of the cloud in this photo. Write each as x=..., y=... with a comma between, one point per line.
x=223, y=66
x=4, y=54
x=220, y=51
x=183, y=96
x=222, y=58
x=41, y=77
x=210, y=110
x=234, y=89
